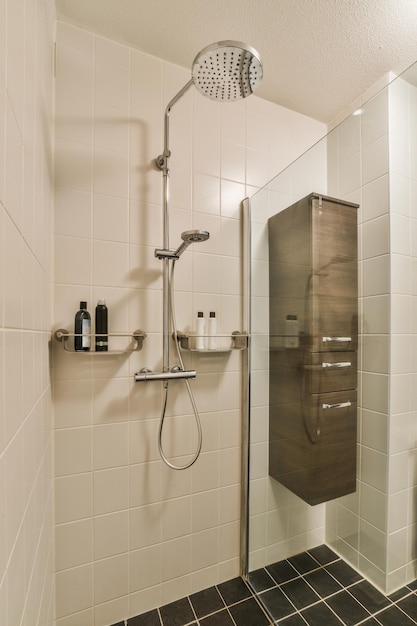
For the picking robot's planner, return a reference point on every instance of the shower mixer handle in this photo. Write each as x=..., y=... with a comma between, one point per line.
x=145, y=374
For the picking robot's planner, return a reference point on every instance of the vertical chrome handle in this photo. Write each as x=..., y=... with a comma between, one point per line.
x=337, y=405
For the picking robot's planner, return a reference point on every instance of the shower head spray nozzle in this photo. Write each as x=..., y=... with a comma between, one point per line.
x=227, y=70
x=191, y=236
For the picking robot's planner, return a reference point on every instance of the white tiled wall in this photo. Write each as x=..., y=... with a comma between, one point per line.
x=376, y=529
x=358, y=150
x=402, y=520
x=370, y=160
x=131, y=533
x=26, y=194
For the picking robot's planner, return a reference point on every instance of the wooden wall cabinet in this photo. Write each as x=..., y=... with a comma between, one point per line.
x=313, y=289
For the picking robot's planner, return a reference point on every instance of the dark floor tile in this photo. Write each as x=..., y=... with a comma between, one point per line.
x=249, y=613
x=282, y=571
x=120, y=624
x=234, y=590
x=260, y=580
x=300, y=594
x=276, y=603
x=293, y=620
x=320, y=615
x=412, y=585
x=347, y=608
x=394, y=617
x=206, y=602
x=321, y=581
x=177, y=613
x=222, y=618
x=323, y=554
x=409, y=606
x=151, y=618
x=345, y=574
x=371, y=622
x=303, y=562
x=400, y=593
x=369, y=597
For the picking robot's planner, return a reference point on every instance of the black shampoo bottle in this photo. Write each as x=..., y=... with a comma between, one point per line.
x=82, y=329
x=102, y=343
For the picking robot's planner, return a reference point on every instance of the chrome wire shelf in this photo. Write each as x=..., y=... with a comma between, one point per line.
x=216, y=343
x=136, y=341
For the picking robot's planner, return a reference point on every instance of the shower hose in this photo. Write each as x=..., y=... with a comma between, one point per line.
x=189, y=390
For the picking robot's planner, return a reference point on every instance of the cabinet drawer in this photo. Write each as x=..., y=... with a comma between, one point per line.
x=332, y=427
x=331, y=371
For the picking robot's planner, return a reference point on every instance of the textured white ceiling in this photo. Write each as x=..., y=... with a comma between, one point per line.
x=318, y=55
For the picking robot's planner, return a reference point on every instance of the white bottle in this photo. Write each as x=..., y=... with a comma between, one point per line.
x=212, y=331
x=200, y=338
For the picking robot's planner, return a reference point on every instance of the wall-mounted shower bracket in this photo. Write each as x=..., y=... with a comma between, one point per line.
x=162, y=159
x=62, y=335
x=166, y=254
x=145, y=374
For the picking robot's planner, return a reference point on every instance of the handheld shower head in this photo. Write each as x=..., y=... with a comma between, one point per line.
x=191, y=236
x=227, y=70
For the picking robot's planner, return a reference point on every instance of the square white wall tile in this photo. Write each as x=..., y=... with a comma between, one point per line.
x=74, y=590
x=74, y=165
x=376, y=315
x=111, y=578
x=376, y=275
x=74, y=543
x=374, y=119
x=73, y=262
x=375, y=160
x=375, y=392
x=400, y=194
x=373, y=506
x=73, y=211
x=376, y=237
x=374, y=468
x=372, y=550
x=110, y=218
x=401, y=314
x=375, y=353
x=145, y=526
x=400, y=234
x=400, y=394
x=66, y=441
x=375, y=198
x=73, y=497
x=349, y=137
x=110, y=445
x=399, y=472
x=111, y=492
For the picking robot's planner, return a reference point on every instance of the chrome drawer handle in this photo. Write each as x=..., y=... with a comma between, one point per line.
x=338, y=405
x=341, y=364
x=340, y=339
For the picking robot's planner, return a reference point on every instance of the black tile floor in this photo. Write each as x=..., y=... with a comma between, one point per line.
x=316, y=588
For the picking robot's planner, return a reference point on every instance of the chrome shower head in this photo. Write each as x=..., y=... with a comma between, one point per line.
x=191, y=236
x=227, y=71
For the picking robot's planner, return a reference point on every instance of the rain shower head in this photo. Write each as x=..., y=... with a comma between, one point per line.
x=227, y=71
x=224, y=71
x=191, y=236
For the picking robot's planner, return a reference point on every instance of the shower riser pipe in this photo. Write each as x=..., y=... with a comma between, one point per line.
x=163, y=164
